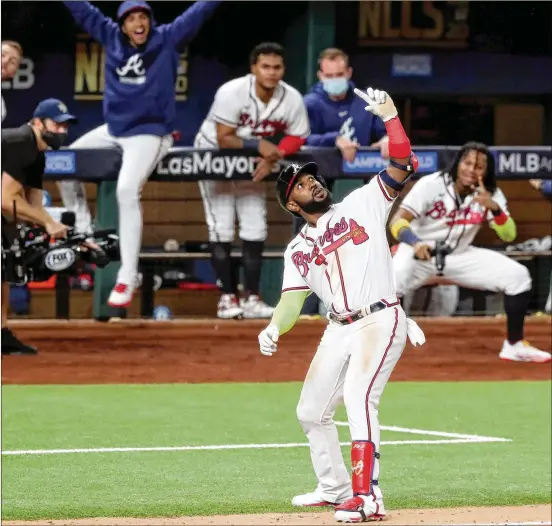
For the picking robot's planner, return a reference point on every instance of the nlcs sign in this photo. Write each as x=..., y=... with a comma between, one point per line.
x=407, y=23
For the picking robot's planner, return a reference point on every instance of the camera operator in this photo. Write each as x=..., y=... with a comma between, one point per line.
x=443, y=213
x=23, y=164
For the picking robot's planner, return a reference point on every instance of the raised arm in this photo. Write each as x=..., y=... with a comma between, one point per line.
x=100, y=27
x=185, y=27
x=497, y=211
x=402, y=161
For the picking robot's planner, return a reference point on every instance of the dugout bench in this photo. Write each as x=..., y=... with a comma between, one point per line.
x=148, y=260
x=188, y=164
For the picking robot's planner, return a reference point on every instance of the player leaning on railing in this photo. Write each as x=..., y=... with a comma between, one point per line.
x=139, y=109
x=450, y=207
x=342, y=255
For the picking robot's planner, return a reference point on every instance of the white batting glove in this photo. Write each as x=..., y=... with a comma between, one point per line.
x=379, y=103
x=268, y=340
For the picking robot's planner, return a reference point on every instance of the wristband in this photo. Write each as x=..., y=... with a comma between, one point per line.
x=251, y=143
x=499, y=216
x=389, y=181
x=407, y=236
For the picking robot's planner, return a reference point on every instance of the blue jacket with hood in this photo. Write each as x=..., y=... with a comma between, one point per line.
x=139, y=95
x=330, y=119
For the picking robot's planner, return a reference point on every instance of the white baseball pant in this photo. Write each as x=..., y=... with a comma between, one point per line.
x=352, y=366
x=140, y=154
x=221, y=199
x=474, y=268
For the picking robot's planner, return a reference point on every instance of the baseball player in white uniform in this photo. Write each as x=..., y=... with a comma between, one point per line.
x=12, y=53
x=450, y=207
x=245, y=113
x=342, y=255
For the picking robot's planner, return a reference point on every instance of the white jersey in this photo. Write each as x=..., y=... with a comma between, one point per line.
x=236, y=104
x=3, y=109
x=440, y=216
x=346, y=259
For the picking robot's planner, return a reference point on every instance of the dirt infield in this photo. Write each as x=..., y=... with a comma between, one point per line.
x=198, y=351
x=539, y=514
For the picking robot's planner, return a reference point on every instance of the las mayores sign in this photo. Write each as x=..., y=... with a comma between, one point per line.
x=190, y=164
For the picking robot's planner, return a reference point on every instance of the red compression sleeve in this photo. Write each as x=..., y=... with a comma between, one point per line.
x=291, y=144
x=399, y=143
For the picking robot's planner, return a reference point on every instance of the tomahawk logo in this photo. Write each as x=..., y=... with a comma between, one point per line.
x=59, y=259
x=133, y=72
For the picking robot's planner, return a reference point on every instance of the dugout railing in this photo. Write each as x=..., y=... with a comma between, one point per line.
x=192, y=165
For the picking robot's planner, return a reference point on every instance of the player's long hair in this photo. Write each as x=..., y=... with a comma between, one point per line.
x=490, y=175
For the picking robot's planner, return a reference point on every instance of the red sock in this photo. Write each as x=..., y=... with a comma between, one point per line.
x=399, y=143
x=363, y=455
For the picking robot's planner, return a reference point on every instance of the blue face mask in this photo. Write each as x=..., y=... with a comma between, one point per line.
x=335, y=86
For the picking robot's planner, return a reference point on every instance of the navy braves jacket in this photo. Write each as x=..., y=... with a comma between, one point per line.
x=139, y=96
x=329, y=119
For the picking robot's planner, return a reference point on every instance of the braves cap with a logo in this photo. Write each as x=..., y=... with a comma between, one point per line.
x=53, y=109
x=132, y=5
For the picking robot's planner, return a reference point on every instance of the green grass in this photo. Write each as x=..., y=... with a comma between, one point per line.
x=240, y=481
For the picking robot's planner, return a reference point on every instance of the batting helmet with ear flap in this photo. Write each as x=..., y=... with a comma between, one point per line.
x=288, y=177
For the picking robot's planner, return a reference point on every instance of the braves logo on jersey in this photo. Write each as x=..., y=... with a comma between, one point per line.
x=132, y=71
x=332, y=238
x=264, y=128
x=467, y=215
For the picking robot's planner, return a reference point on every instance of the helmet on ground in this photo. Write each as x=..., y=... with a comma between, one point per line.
x=288, y=177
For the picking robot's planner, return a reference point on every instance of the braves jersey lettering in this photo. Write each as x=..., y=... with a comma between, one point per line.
x=345, y=260
x=439, y=215
x=236, y=105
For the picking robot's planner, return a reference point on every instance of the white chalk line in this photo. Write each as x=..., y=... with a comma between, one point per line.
x=478, y=438
x=455, y=439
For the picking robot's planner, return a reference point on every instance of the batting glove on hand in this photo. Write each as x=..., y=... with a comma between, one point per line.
x=268, y=340
x=379, y=103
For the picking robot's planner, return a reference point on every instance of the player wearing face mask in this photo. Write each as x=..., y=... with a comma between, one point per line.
x=337, y=117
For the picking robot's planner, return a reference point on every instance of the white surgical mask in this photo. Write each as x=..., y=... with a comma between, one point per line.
x=335, y=86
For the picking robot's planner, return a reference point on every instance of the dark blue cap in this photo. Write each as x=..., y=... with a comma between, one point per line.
x=132, y=5
x=53, y=109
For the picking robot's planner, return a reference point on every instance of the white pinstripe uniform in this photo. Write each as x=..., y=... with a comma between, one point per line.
x=439, y=217
x=346, y=262
x=237, y=105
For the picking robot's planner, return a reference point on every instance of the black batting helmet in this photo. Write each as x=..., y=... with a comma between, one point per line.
x=288, y=177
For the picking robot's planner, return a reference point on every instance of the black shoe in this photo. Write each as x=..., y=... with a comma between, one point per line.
x=13, y=347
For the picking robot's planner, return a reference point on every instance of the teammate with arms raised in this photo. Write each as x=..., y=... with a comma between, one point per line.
x=451, y=206
x=342, y=255
x=245, y=113
x=139, y=109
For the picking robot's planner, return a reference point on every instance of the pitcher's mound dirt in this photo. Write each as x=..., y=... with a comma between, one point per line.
x=539, y=514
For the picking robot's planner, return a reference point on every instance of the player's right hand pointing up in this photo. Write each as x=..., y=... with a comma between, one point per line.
x=379, y=103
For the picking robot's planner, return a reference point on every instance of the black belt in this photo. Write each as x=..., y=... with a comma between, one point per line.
x=346, y=319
